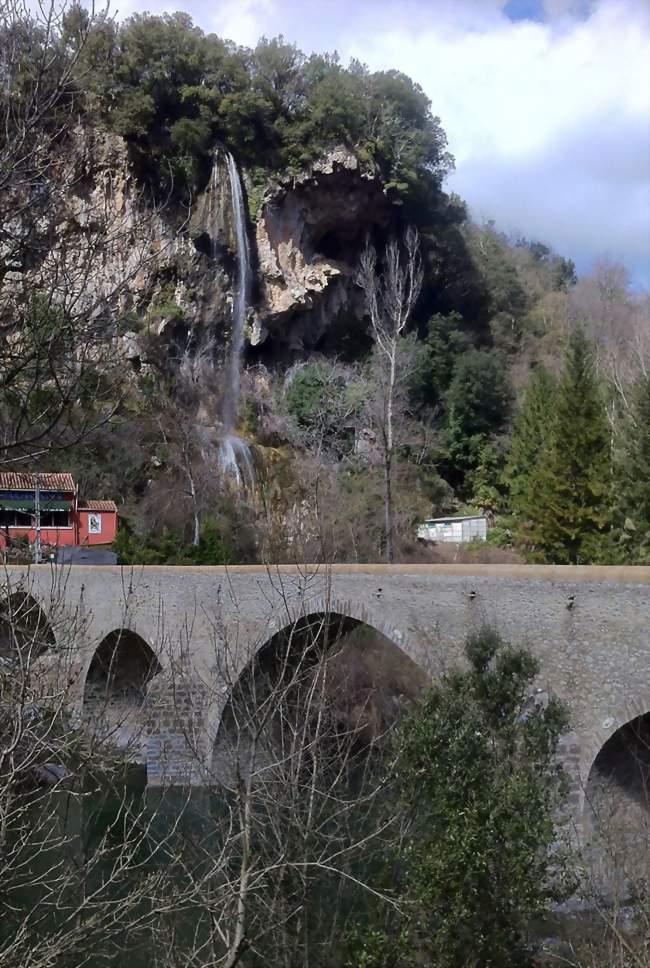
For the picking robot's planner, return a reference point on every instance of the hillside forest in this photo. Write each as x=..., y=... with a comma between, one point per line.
x=512, y=387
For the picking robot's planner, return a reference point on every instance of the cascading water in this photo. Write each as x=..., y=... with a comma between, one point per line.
x=235, y=461
x=240, y=302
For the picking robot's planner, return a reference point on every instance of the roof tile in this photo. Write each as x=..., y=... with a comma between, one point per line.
x=98, y=506
x=18, y=481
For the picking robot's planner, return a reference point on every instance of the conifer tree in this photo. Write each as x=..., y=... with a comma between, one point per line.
x=567, y=498
x=531, y=433
x=632, y=477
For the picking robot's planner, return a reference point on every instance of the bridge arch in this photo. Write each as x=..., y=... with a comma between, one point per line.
x=606, y=722
x=24, y=626
x=293, y=612
x=615, y=811
x=366, y=657
x=115, y=681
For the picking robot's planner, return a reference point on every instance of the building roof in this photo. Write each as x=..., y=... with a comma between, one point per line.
x=13, y=481
x=467, y=517
x=98, y=506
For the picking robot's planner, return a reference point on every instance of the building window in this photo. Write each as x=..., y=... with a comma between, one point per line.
x=55, y=519
x=10, y=518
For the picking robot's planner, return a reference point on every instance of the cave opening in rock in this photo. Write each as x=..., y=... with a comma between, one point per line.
x=340, y=244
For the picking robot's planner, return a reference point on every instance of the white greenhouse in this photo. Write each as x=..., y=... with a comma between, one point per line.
x=454, y=530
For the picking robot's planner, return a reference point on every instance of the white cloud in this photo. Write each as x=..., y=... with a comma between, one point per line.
x=510, y=89
x=515, y=98
x=243, y=20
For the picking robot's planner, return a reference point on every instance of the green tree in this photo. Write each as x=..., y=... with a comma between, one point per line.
x=632, y=478
x=567, y=502
x=324, y=401
x=477, y=402
x=480, y=789
x=487, y=490
x=401, y=133
x=213, y=547
x=278, y=73
x=479, y=394
x=445, y=343
x=174, y=92
x=531, y=432
x=508, y=300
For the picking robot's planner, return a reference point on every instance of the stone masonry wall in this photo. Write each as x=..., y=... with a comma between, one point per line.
x=589, y=628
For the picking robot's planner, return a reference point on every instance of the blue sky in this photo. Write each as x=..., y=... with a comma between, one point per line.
x=546, y=103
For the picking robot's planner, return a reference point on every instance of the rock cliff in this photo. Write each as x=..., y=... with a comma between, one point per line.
x=309, y=233
x=171, y=271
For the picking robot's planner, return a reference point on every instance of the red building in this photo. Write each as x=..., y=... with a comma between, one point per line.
x=65, y=520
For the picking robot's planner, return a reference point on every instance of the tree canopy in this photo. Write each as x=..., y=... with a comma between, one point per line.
x=173, y=92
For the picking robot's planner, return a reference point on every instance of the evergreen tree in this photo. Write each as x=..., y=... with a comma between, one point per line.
x=531, y=433
x=566, y=503
x=632, y=476
x=478, y=403
x=480, y=789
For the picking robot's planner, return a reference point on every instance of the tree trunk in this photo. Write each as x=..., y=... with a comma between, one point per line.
x=196, y=538
x=191, y=490
x=388, y=508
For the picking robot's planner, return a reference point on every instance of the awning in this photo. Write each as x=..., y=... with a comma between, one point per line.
x=27, y=504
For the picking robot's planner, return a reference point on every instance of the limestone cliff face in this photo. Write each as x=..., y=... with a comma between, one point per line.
x=102, y=244
x=309, y=233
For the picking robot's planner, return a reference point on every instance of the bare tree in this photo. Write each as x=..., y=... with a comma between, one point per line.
x=299, y=772
x=74, y=883
x=262, y=863
x=273, y=858
x=74, y=235
x=391, y=294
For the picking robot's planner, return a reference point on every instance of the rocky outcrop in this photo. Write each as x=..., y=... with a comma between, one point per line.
x=211, y=225
x=103, y=250
x=309, y=233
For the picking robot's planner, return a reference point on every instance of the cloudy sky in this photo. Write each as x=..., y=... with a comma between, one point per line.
x=546, y=103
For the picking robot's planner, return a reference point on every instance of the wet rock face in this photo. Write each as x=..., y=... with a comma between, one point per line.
x=102, y=249
x=211, y=225
x=176, y=270
x=310, y=232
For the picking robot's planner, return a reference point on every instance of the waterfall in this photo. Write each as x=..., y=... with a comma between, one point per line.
x=235, y=461
x=234, y=457
x=240, y=302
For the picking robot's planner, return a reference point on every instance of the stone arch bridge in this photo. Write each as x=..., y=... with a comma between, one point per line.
x=189, y=632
